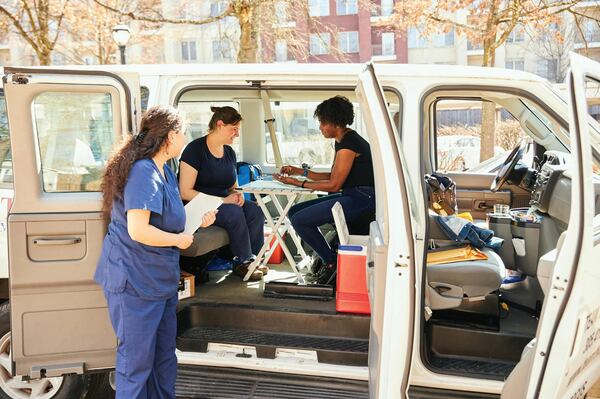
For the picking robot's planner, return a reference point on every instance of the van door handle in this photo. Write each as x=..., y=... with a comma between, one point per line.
x=481, y=205
x=57, y=241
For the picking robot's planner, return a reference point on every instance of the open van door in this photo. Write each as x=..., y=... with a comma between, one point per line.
x=63, y=126
x=566, y=358
x=390, y=270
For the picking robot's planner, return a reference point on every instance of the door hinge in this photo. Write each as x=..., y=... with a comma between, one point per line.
x=56, y=370
x=18, y=78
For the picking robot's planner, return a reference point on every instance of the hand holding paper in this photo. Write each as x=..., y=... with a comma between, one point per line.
x=197, y=208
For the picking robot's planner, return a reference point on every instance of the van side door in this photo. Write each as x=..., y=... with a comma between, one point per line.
x=567, y=355
x=63, y=124
x=391, y=271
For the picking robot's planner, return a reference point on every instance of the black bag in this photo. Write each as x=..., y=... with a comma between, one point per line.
x=441, y=194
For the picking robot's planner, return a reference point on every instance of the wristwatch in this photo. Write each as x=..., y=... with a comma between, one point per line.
x=306, y=169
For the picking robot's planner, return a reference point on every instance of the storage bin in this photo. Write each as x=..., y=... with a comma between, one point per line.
x=351, y=294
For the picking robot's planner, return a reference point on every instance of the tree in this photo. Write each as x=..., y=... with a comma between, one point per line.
x=485, y=23
x=260, y=23
x=90, y=30
x=38, y=22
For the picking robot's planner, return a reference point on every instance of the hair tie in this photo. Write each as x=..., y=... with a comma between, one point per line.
x=140, y=137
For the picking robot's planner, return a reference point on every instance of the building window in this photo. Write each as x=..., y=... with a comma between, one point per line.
x=281, y=51
x=318, y=8
x=387, y=43
x=415, y=40
x=348, y=42
x=281, y=12
x=516, y=36
x=518, y=65
x=217, y=8
x=319, y=43
x=221, y=50
x=347, y=7
x=387, y=7
x=188, y=51
x=444, y=39
x=548, y=68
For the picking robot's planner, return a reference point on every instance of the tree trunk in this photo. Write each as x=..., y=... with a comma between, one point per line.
x=248, y=34
x=44, y=56
x=488, y=112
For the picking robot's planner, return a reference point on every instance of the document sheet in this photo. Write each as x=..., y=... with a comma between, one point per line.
x=196, y=208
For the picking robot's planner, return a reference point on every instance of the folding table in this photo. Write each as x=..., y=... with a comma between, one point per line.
x=271, y=189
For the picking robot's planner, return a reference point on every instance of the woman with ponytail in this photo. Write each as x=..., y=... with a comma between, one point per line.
x=208, y=165
x=139, y=265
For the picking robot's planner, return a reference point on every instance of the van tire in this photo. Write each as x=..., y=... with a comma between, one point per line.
x=99, y=387
x=72, y=386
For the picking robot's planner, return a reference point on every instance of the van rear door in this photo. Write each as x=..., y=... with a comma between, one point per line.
x=390, y=267
x=63, y=126
x=567, y=354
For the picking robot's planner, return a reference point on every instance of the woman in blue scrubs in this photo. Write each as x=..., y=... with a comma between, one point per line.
x=208, y=165
x=139, y=265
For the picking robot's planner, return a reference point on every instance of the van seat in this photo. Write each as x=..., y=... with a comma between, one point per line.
x=450, y=283
x=206, y=240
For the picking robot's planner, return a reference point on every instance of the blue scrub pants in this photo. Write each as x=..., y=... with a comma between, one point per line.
x=244, y=226
x=146, y=364
x=306, y=217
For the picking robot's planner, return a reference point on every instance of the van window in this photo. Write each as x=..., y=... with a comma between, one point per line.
x=76, y=136
x=6, y=176
x=458, y=136
x=197, y=115
x=300, y=140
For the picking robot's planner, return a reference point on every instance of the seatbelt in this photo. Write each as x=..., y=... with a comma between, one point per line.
x=270, y=122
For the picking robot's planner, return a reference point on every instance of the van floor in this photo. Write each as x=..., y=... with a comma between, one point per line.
x=488, y=350
x=228, y=289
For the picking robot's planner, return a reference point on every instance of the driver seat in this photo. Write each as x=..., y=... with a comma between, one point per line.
x=470, y=285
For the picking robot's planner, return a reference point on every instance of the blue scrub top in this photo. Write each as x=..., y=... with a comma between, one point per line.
x=153, y=272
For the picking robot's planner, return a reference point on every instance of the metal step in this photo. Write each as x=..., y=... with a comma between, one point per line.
x=213, y=382
x=494, y=370
x=337, y=339
x=329, y=350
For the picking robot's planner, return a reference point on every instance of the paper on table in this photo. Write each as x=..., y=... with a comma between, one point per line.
x=196, y=208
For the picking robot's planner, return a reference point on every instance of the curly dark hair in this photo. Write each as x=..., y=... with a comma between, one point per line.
x=156, y=124
x=337, y=110
x=229, y=116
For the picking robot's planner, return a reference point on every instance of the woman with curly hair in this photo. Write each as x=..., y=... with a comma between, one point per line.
x=352, y=173
x=139, y=265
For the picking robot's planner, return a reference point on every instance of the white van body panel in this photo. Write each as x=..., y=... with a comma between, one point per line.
x=567, y=358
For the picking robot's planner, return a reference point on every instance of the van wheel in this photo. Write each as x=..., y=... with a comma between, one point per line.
x=69, y=387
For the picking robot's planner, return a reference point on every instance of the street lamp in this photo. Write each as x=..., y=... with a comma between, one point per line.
x=121, y=35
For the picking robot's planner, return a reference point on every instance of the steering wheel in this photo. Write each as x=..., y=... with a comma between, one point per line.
x=508, y=166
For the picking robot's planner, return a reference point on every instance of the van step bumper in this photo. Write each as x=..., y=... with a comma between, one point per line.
x=353, y=352
x=336, y=338
x=214, y=382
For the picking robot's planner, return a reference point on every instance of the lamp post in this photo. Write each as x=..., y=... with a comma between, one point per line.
x=121, y=35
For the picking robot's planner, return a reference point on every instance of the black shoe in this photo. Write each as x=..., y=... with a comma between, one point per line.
x=327, y=274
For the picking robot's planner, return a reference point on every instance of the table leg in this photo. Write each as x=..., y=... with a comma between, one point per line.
x=275, y=232
x=290, y=229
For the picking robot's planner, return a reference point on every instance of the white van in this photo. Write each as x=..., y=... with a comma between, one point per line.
x=455, y=330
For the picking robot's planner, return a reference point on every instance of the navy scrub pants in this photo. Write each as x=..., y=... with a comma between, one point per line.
x=244, y=226
x=146, y=366
x=306, y=217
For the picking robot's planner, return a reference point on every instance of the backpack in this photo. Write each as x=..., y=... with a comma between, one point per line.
x=441, y=194
x=246, y=173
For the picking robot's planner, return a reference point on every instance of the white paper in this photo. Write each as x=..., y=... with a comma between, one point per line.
x=196, y=208
x=519, y=246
